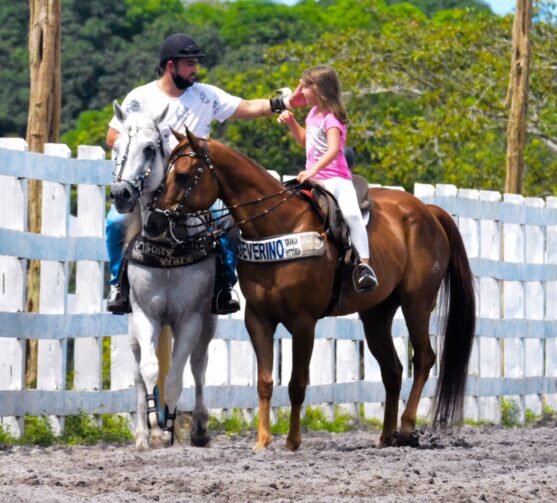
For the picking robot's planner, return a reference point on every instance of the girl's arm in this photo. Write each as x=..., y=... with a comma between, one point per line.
x=298, y=132
x=333, y=146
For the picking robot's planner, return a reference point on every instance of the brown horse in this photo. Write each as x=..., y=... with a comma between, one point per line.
x=414, y=249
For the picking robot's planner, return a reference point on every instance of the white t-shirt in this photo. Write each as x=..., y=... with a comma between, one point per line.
x=196, y=108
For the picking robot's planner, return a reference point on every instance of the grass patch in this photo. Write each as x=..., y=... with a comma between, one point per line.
x=315, y=419
x=79, y=429
x=233, y=424
x=282, y=424
x=510, y=413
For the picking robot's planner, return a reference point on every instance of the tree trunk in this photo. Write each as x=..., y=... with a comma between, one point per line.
x=517, y=97
x=43, y=126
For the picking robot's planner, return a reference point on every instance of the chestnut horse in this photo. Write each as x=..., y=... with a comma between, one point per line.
x=415, y=248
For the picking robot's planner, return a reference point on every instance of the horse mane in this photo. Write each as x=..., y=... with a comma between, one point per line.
x=229, y=151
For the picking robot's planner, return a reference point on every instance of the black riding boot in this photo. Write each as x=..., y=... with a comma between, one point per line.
x=118, y=301
x=223, y=302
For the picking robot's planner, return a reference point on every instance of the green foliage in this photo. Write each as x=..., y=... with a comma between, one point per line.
x=5, y=438
x=90, y=129
x=38, y=431
x=78, y=429
x=425, y=81
x=233, y=423
x=282, y=423
x=315, y=419
x=510, y=413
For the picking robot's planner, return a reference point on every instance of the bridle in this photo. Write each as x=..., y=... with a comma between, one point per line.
x=176, y=212
x=138, y=182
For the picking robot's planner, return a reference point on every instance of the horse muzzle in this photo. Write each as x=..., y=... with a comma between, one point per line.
x=124, y=196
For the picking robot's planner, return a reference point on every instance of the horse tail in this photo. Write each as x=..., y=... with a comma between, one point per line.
x=458, y=323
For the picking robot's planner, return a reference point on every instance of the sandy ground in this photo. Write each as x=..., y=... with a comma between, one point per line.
x=478, y=464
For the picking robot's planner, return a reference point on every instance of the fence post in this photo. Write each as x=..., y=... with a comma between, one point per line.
x=490, y=295
x=550, y=304
x=13, y=272
x=513, y=297
x=470, y=230
x=51, y=372
x=89, y=277
x=534, y=305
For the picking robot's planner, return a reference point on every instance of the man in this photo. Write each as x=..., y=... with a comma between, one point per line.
x=193, y=105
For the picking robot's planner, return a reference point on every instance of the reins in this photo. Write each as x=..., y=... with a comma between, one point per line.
x=176, y=214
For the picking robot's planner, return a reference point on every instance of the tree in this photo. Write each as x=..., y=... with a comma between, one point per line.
x=518, y=96
x=43, y=125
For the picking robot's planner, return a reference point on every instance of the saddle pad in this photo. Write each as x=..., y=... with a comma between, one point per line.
x=281, y=248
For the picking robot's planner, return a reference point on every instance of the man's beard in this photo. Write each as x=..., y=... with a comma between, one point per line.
x=180, y=82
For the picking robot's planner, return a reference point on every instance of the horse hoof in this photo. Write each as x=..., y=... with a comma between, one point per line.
x=261, y=444
x=292, y=445
x=200, y=440
x=410, y=440
x=388, y=441
x=141, y=443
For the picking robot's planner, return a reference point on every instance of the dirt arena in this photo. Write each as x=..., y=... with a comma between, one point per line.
x=478, y=464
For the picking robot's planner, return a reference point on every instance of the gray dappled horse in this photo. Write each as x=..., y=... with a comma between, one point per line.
x=178, y=296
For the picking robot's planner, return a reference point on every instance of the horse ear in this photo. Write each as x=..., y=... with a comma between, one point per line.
x=118, y=112
x=162, y=116
x=179, y=136
x=194, y=140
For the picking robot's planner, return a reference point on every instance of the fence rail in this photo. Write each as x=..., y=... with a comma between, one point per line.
x=511, y=242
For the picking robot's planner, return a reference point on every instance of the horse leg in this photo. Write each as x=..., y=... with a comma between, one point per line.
x=141, y=431
x=303, y=335
x=199, y=435
x=377, y=327
x=261, y=332
x=146, y=332
x=416, y=313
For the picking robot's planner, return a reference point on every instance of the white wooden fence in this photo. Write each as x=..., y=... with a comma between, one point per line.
x=511, y=241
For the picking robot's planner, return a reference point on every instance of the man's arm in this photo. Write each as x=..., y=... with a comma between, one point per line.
x=251, y=109
x=111, y=137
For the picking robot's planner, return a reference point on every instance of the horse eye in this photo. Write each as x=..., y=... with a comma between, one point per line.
x=149, y=152
x=181, y=178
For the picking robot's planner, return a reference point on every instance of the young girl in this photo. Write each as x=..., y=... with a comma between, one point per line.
x=324, y=139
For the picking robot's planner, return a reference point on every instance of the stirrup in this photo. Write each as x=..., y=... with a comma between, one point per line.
x=224, y=303
x=118, y=302
x=363, y=278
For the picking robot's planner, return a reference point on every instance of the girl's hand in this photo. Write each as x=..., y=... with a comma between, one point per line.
x=287, y=118
x=296, y=99
x=305, y=175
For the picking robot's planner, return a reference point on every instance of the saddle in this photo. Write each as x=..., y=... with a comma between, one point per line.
x=326, y=206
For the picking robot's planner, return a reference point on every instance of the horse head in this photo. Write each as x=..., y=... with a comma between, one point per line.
x=191, y=184
x=139, y=157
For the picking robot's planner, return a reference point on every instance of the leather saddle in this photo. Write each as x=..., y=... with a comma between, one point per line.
x=327, y=208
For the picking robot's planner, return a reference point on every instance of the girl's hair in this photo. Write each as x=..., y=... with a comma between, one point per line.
x=325, y=81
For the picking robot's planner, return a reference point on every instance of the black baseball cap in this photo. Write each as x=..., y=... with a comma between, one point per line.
x=179, y=46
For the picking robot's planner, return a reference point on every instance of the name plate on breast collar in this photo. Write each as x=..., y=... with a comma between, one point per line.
x=281, y=248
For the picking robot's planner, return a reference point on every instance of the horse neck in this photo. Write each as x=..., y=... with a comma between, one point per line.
x=241, y=181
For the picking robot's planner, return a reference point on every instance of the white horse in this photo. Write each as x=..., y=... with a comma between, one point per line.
x=178, y=296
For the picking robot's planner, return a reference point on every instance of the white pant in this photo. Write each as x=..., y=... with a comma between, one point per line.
x=345, y=194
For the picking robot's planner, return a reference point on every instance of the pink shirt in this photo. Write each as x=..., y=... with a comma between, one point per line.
x=316, y=145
